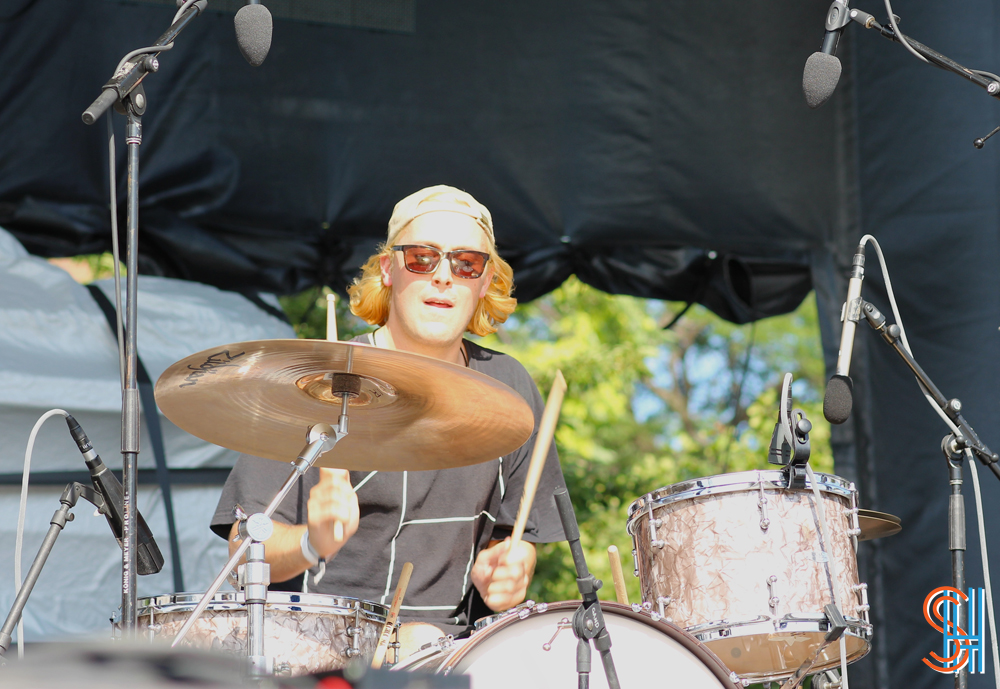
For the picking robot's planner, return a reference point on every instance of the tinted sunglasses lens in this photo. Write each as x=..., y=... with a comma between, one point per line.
x=420, y=259
x=467, y=264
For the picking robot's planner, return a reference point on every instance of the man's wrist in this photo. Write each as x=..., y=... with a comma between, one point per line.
x=308, y=552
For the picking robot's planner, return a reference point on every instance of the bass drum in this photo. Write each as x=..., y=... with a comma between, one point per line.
x=535, y=647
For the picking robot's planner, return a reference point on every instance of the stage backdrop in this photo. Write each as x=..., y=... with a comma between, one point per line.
x=661, y=149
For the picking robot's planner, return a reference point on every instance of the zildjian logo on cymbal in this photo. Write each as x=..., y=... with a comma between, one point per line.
x=212, y=364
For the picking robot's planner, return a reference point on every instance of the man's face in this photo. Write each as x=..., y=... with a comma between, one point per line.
x=434, y=309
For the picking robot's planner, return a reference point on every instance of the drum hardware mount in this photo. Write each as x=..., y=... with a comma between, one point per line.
x=588, y=620
x=564, y=623
x=772, y=599
x=354, y=631
x=67, y=501
x=864, y=607
x=762, y=504
x=664, y=602
x=790, y=440
x=838, y=625
x=255, y=573
x=854, y=515
x=654, y=524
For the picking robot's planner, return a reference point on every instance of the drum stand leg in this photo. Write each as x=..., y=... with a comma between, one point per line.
x=588, y=620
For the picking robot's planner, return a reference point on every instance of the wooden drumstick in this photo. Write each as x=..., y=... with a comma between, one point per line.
x=331, y=317
x=616, y=575
x=390, y=620
x=546, y=429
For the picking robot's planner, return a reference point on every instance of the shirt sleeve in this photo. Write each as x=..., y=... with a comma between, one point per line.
x=253, y=483
x=543, y=525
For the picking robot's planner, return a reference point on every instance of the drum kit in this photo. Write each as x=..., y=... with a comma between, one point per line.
x=745, y=578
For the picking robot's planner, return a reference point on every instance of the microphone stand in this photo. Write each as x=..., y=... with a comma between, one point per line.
x=588, y=620
x=72, y=493
x=124, y=90
x=935, y=58
x=954, y=448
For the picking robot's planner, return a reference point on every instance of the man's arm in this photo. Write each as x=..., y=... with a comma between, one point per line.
x=332, y=502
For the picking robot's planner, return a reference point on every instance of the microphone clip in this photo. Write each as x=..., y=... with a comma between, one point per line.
x=790, y=445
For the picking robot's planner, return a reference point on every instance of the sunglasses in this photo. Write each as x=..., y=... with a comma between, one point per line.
x=424, y=260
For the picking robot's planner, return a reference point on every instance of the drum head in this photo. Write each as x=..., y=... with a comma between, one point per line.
x=538, y=649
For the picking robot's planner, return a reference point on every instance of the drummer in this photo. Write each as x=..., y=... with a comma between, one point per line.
x=344, y=533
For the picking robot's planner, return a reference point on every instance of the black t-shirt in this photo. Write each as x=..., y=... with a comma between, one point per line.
x=438, y=520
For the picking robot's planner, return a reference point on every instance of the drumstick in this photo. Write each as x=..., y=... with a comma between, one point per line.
x=331, y=335
x=390, y=620
x=331, y=317
x=546, y=429
x=616, y=574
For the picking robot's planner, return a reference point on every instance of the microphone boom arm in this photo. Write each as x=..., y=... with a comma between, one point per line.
x=952, y=408
x=72, y=493
x=934, y=57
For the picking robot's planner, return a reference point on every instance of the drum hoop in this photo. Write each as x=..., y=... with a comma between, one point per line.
x=686, y=640
x=738, y=482
x=276, y=600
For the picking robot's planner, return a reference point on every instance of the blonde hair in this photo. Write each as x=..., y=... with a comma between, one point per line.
x=370, y=297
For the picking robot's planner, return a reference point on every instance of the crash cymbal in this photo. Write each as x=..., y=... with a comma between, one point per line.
x=411, y=412
x=877, y=525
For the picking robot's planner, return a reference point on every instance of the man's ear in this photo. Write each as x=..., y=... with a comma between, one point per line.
x=385, y=262
x=487, y=282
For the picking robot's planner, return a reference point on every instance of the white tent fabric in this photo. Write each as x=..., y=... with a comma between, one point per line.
x=57, y=350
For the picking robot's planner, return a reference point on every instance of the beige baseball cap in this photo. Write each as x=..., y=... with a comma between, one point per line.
x=439, y=198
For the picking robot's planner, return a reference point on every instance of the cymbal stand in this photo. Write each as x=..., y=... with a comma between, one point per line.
x=588, y=620
x=255, y=574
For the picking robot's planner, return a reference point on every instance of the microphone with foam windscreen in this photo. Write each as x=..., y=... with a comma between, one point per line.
x=253, y=32
x=839, y=397
x=149, y=559
x=822, y=70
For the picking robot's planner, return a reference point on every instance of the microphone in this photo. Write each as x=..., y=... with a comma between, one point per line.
x=839, y=397
x=149, y=559
x=253, y=32
x=822, y=70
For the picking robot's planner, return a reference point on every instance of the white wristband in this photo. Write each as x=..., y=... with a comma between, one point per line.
x=308, y=552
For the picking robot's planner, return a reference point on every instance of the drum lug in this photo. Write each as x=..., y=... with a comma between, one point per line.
x=654, y=524
x=283, y=668
x=355, y=633
x=772, y=600
x=635, y=557
x=664, y=603
x=762, y=504
x=863, y=608
x=852, y=513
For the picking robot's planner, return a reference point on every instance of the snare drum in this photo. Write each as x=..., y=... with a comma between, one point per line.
x=303, y=632
x=535, y=647
x=736, y=560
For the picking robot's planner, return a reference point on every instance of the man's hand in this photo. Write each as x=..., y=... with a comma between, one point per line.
x=333, y=511
x=501, y=575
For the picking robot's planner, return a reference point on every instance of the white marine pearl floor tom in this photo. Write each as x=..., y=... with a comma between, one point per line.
x=303, y=632
x=736, y=560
